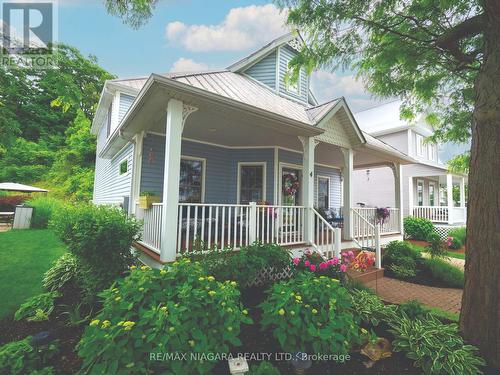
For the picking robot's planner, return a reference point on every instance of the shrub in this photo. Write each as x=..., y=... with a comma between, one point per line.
x=401, y=258
x=312, y=261
x=435, y=347
x=37, y=308
x=264, y=368
x=435, y=248
x=44, y=209
x=371, y=309
x=177, y=310
x=100, y=237
x=311, y=314
x=417, y=228
x=9, y=202
x=445, y=272
x=19, y=357
x=457, y=236
x=402, y=272
x=413, y=309
x=245, y=265
x=64, y=271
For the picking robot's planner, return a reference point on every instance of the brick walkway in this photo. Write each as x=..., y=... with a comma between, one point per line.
x=397, y=291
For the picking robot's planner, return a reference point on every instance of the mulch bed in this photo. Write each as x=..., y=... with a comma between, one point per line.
x=425, y=244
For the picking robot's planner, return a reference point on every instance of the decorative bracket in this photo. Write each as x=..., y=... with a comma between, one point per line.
x=303, y=140
x=186, y=111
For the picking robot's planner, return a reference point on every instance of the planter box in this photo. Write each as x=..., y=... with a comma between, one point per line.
x=145, y=202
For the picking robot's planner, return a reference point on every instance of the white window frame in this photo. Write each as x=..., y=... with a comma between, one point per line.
x=251, y=164
x=317, y=189
x=203, y=173
x=419, y=144
x=433, y=184
x=423, y=191
x=122, y=175
x=288, y=87
x=431, y=151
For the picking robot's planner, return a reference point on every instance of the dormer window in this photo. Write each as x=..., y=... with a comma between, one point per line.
x=292, y=86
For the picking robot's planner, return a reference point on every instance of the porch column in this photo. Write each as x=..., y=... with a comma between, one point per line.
x=410, y=196
x=397, y=170
x=177, y=113
x=462, y=192
x=309, y=144
x=449, y=197
x=136, y=172
x=348, y=196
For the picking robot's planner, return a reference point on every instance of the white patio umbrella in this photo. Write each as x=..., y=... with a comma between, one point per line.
x=12, y=186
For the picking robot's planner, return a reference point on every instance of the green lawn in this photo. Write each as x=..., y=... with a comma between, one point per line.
x=24, y=257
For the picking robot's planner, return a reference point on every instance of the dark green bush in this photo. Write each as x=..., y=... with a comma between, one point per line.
x=44, y=208
x=458, y=237
x=435, y=347
x=445, y=272
x=402, y=272
x=413, y=309
x=264, y=368
x=176, y=310
x=243, y=265
x=100, y=237
x=20, y=358
x=436, y=247
x=417, y=228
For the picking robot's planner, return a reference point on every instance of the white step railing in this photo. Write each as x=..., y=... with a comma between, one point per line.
x=283, y=225
x=390, y=225
x=437, y=214
x=367, y=235
x=327, y=239
x=151, y=230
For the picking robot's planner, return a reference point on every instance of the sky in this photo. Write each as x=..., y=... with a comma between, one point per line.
x=186, y=35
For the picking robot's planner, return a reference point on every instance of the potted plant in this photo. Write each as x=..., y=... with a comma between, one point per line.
x=147, y=198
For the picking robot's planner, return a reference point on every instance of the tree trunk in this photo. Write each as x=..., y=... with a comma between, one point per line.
x=480, y=315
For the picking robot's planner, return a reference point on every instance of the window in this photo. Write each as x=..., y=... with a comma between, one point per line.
x=191, y=180
x=123, y=167
x=324, y=192
x=294, y=86
x=420, y=193
x=431, y=151
x=251, y=183
x=108, y=122
x=420, y=144
x=432, y=194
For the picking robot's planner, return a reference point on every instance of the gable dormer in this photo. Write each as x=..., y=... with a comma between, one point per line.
x=270, y=66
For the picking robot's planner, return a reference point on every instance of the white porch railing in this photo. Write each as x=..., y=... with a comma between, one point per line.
x=326, y=238
x=151, y=230
x=391, y=225
x=367, y=235
x=279, y=224
x=437, y=214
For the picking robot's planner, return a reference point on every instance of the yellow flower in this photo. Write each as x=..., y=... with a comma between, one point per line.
x=129, y=365
x=364, y=331
x=115, y=290
x=307, y=305
x=229, y=328
x=163, y=272
x=210, y=278
x=245, y=312
x=163, y=308
x=105, y=323
x=144, y=268
x=212, y=293
x=335, y=280
x=322, y=277
x=128, y=325
x=120, y=323
x=94, y=322
x=281, y=312
x=118, y=298
x=191, y=342
x=314, y=311
x=298, y=297
x=171, y=329
x=223, y=303
x=141, y=289
x=292, y=313
x=234, y=283
x=229, y=310
x=133, y=267
x=201, y=278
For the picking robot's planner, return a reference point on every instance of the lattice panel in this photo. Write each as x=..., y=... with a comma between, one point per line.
x=443, y=230
x=269, y=274
x=335, y=133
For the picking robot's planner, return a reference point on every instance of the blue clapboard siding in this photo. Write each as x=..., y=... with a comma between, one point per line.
x=265, y=70
x=221, y=167
x=124, y=105
x=291, y=157
x=109, y=185
x=286, y=54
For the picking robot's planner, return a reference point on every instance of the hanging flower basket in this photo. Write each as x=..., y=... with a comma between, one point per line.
x=382, y=214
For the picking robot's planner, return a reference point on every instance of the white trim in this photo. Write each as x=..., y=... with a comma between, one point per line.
x=276, y=175
x=290, y=166
x=136, y=170
x=203, y=172
x=250, y=164
x=278, y=57
x=423, y=191
x=125, y=174
x=419, y=145
x=115, y=109
x=329, y=192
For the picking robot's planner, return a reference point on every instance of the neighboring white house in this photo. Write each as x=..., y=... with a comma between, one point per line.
x=237, y=155
x=427, y=185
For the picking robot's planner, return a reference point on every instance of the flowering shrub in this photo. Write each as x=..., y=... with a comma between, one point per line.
x=312, y=261
x=311, y=314
x=178, y=309
x=363, y=261
x=456, y=238
x=382, y=214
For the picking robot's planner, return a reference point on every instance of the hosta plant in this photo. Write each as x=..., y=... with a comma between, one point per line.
x=37, y=308
x=64, y=271
x=175, y=310
x=311, y=314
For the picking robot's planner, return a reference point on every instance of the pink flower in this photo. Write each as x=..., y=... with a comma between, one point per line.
x=307, y=252
x=334, y=261
x=296, y=261
x=313, y=267
x=323, y=266
x=343, y=268
x=350, y=254
x=307, y=263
